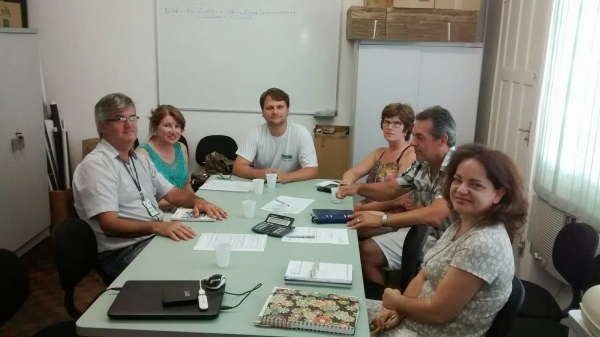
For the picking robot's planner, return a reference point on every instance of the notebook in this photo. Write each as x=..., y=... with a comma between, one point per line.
x=144, y=300
x=323, y=216
x=319, y=273
x=307, y=310
x=187, y=214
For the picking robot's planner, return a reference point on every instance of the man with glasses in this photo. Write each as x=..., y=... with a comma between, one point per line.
x=117, y=191
x=278, y=146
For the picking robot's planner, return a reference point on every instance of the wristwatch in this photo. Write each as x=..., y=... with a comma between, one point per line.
x=384, y=220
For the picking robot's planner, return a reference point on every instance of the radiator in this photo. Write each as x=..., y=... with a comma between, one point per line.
x=547, y=221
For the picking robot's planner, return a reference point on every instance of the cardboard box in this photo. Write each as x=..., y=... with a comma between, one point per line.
x=88, y=145
x=333, y=150
x=365, y=23
x=465, y=5
x=379, y=3
x=62, y=206
x=10, y=15
x=431, y=25
x=413, y=3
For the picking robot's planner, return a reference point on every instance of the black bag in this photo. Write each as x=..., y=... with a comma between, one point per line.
x=215, y=163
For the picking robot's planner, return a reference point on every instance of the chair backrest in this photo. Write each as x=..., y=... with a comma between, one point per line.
x=574, y=250
x=593, y=276
x=506, y=316
x=76, y=253
x=14, y=284
x=220, y=143
x=411, y=253
x=183, y=141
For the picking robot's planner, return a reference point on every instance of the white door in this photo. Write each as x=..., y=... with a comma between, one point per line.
x=520, y=59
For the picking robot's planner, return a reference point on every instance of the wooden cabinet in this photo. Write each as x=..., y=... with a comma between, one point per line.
x=24, y=206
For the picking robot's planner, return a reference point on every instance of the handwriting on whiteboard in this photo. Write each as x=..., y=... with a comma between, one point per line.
x=232, y=13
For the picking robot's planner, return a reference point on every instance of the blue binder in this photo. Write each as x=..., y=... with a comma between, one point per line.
x=323, y=216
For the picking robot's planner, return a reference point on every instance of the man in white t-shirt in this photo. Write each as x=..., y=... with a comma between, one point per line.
x=278, y=146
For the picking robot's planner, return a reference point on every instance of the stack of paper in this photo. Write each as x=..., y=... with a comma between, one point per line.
x=292, y=205
x=239, y=242
x=334, y=274
x=318, y=235
x=227, y=185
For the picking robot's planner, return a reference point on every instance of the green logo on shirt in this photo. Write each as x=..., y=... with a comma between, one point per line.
x=286, y=157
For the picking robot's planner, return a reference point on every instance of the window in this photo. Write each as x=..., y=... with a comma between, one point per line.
x=568, y=156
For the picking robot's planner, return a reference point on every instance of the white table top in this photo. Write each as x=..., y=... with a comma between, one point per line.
x=165, y=259
x=576, y=325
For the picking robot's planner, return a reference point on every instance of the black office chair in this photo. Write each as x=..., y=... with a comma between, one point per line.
x=412, y=253
x=506, y=316
x=76, y=253
x=220, y=143
x=593, y=277
x=573, y=251
x=411, y=261
x=14, y=290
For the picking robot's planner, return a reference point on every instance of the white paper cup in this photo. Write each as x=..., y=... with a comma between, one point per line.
x=222, y=254
x=334, y=198
x=271, y=180
x=248, y=206
x=259, y=184
x=279, y=209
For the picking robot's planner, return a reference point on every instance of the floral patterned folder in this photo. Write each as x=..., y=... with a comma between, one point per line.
x=308, y=310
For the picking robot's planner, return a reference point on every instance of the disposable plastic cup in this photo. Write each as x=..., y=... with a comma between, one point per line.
x=271, y=180
x=259, y=184
x=222, y=254
x=249, y=206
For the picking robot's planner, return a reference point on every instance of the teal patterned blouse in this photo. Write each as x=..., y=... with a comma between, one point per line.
x=175, y=172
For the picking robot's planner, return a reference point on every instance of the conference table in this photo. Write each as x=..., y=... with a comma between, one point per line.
x=165, y=259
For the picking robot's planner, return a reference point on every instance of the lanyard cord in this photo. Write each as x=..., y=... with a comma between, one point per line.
x=136, y=180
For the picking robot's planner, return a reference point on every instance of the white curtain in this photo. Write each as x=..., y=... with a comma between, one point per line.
x=568, y=158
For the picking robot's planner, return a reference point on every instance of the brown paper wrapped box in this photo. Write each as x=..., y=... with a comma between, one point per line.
x=365, y=23
x=379, y=3
x=332, y=150
x=413, y=3
x=431, y=25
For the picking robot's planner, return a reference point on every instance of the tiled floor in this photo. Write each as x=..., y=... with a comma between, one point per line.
x=45, y=306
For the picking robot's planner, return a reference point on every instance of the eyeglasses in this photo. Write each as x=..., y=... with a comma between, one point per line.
x=224, y=176
x=132, y=119
x=396, y=124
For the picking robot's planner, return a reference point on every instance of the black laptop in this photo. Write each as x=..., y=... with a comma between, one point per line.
x=144, y=300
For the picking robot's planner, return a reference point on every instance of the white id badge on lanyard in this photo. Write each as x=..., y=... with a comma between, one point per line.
x=149, y=207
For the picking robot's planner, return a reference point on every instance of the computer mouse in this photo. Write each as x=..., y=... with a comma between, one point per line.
x=214, y=282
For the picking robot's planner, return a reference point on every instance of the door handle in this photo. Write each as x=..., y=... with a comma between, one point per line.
x=528, y=130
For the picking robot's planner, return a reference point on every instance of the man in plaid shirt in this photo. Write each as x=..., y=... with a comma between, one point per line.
x=434, y=137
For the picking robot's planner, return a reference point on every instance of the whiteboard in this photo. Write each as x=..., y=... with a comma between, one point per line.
x=221, y=55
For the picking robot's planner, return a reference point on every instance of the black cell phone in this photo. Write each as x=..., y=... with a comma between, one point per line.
x=327, y=188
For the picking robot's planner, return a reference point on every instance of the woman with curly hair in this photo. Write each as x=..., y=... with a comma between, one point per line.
x=467, y=276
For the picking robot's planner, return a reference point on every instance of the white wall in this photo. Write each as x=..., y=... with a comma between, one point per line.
x=92, y=48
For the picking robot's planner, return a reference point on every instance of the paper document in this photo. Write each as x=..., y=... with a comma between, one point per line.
x=318, y=235
x=239, y=242
x=324, y=272
x=292, y=205
x=227, y=185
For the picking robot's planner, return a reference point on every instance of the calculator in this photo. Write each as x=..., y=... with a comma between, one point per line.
x=275, y=225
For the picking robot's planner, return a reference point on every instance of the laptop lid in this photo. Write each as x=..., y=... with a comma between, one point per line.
x=144, y=300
